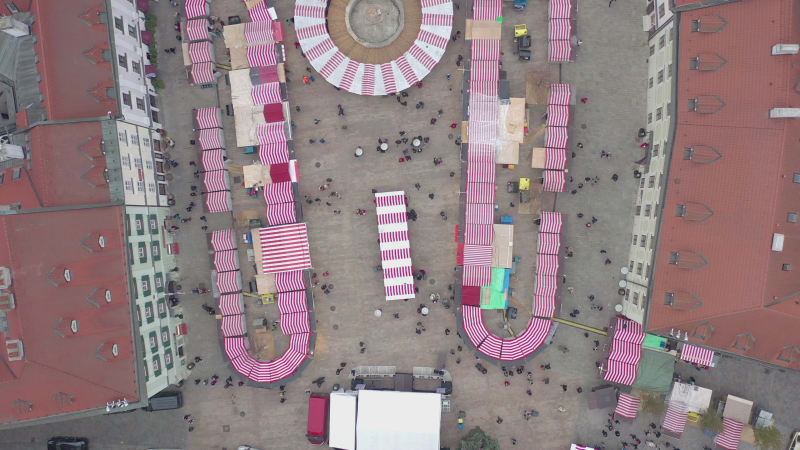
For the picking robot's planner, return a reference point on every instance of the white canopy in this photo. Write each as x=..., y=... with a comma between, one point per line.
x=696, y=398
x=342, y=429
x=390, y=420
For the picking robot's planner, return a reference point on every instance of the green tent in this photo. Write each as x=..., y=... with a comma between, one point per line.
x=495, y=296
x=655, y=371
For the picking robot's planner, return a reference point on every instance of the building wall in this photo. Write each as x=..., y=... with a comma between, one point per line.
x=659, y=104
x=141, y=171
x=138, y=98
x=151, y=261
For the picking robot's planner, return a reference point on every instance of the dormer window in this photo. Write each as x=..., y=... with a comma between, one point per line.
x=115, y=350
x=107, y=295
x=101, y=241
x=73, y=326
x=67, y=275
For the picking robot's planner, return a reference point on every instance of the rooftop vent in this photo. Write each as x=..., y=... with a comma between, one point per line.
x=13, y=27
x=5, y=277
x=14, y=350
x=785, y=49
x=784, y=113
x=777, y=242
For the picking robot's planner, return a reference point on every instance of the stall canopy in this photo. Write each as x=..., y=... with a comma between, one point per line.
x=554, y=180
x=342, y=421
x=207, y=118
x=555, y=137
x=697, y=355
x=219, y=201
x=675, y=419
x=222, y=240
x=654, y=371
x=696, y=398
x=395, y=248
x=560, y=94
x=627, y=406
x=283, y=248
x=202, y=73
x=731, y=434
x=391, y=420
x=551, y=222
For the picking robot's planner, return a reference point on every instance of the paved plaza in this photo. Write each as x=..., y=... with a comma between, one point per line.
x=609, y=70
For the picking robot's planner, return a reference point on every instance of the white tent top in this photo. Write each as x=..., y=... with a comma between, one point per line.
x=342, y=428
x=695, y=398
x=390, y=420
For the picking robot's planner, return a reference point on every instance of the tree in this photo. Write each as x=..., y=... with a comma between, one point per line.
x=476, y=439
x=653, y=405
x=712, y=421
x=768, y=438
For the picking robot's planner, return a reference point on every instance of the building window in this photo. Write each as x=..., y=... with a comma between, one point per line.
x=2, y=177
x=636, y=299
x=162, y=308
x=638, y=210
x=156, y=251
x=146, y=285
x=669, y=107
x=639, y=268
x=137, y=162
x=129, y=186
x=153, y=221
x=669, y=70
x=786, y=267
x=139, y=224
x=146, y=142
x=635, y=239
x=652, y=50
x=670, y=33
x=139, y=316
x=151, y=187
x=156, y=366
x=643, y=244
x=656, y=147
x=661, y=13
x=649, y=118
x=140, y=103
x=152, y=340
x=168, y=359
x=660, y=76
x=165, y=336
x=154, y=115
x=132, y=31
x=126, y=99
x=16, y=173
x=153, y=103
x=647, y=210
x=791, y=217
x=148, y=164
x=123, y=61
x=148, y=312
x=159, y=280
x=118, y=24
x=135, y=139
x=662, y=40
x=136, y=67
x=650, y=82
x=652, y=241
x=630, y=268
x=651, y=182
x=659, y=113
x=796, y=178
x=744, y=341
x=142, y=252
x=162, y=189
x=123, y=137
x=140, y=186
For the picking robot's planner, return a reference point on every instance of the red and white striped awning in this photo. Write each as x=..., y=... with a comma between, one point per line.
x=195, y=8
x=480, y=214
x=222, y=240
x=212, y=160
x=271, y=133
x=200, y=52
x=292, y=302
x=560, y=94
x=560, y=29
x=478, y=255
x=697, y=355
x=483, y=111
x=233, y=325
x=484, y=70
x=549, y=243
x=202, y=73
x=299, y=342
x=546, y=286
x=626, y=352
x=628, y=331
x=274, y=153
x=480, y=153
x=476, y=276
x=230, y=304
x=527, y=342
x=216, y=180
x=482, y=132
x=474, y=328
x=207, y=118
x=620, y=372
x=290, y=281
x=627, y=406
x=547, y=265
x=560, y=9
x=555, y=158
x=485, y=50
x=281, y=213
x=492, y=346
x=560, y=51
x=557, y=115
x=277, y=193
x=266, y=93
x=277, y=369
x=556, y=137
x=229, y=282
x=226, y=261
x=392, y=218
x=483, y=90
x=284, y=248
x=544, y=306
x=235, y=349
x=551, y=222
x=481, y=172
x=258, y=12
x=197, y=30
x=480, y=193
x=675, y=419
x=210, y=138
x=487, y=10
x=255, y=32
x=478, y=234
x=219, y=201
x=554, y=180
x=261, y=55
x=295, y=323
x=731, y=434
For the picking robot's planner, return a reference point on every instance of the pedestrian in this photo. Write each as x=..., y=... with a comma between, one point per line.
x=341, y=110
x=431, y=196
x=615, y=177
x=417, y=185
x=584, y=99
x=204, y=228
x=564, y=387
x=203, y=218
x=453, y=125
x=499, y=420
x=297, y=108
x=447, y=75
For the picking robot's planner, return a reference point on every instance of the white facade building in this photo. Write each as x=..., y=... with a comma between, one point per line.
x=143, y=178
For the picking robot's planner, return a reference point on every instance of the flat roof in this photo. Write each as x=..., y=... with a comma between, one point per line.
x=390, y=420
x=342, y=429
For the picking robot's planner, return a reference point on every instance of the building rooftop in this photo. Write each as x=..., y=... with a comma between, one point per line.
x=19, y=76
x=730, y=288
x=75, y=62
x=70, y=330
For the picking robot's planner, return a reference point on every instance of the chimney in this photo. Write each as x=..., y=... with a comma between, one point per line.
x=13, y=27
x=785, y=49
x=784, y=113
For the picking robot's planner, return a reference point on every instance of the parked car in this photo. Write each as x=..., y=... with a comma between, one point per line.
x=67, y=443
x=317, y=429
x=164, y=401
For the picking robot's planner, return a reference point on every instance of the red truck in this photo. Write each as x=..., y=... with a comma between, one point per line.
x=317, y=429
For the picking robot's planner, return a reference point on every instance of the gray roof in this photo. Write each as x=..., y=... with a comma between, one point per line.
x=18, y=72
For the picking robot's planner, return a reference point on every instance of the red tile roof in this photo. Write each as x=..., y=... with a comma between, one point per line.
x=749, y=189
x=55, y=360
x=73, y=83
